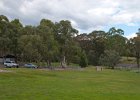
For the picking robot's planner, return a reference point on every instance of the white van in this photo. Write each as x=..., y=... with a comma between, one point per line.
x=10, y=64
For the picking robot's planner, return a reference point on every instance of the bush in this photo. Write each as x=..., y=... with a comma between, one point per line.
x=83, y=60
x=93, y=58
x=110, y=58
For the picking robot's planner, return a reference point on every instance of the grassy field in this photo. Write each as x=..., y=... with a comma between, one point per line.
x=86, y=84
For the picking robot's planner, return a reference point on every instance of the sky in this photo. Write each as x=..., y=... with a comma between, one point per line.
x=85, y=15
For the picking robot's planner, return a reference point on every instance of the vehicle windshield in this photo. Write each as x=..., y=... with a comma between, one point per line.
x=9, y=62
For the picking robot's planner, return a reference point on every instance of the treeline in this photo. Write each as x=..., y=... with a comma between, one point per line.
x=60, y=42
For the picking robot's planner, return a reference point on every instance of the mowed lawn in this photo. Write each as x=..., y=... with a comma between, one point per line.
x=86, y=84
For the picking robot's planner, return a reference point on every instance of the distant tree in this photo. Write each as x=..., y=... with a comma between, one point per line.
x=110, y=58
x=113, y=31
x=16, y=27
x=9, y=33
x=17, y=23
x=84, y=42
x=98, y=39
x=30, y=46
x=4, y=35
x=29, y=30
x=83, y=60
x=136, y=43
x=47, y=23
x=115, y=40
x=138, y=33
x=64, y=35
x=96, y=34
x=59, y=41
x=49, y=45
x=4, y=18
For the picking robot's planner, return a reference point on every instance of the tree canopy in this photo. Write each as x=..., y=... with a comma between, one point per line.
x=60, y=42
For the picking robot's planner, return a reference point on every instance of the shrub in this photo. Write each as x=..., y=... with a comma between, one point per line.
x=83, y=60
x=110, y=58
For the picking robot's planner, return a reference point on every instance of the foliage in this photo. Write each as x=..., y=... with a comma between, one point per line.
x=83, y=60
x=115, y=40
x=30, y=45
x=136, y=47
x=109, y=58
x=59, y=42
x=64, y=34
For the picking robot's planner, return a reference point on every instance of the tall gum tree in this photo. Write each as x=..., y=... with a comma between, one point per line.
x=137, y=47
x=49, y=44
x=65, y=34
x=116, y=41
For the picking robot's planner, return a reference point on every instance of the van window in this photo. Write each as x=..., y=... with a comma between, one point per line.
x=8, y=62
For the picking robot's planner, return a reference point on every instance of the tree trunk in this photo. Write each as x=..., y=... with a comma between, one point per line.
x=138, y=63
x=49, y=64
x=63, y=62
x=112, y=67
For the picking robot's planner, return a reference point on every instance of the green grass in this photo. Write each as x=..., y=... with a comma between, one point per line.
x=87, y=84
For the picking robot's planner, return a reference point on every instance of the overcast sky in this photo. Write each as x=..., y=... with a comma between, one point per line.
x=85, y=15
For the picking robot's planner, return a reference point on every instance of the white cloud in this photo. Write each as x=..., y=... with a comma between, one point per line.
x=131, y=35
x=84, y=14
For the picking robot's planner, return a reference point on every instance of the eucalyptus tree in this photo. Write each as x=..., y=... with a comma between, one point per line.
x=98, y=39
x=29, y=30
x=136, y=43
x=113, y=31
x=64, y=35
x=49, y=46
x=83, y=60
x=109, y=58
x=116, y=41
x=16, y=27
x=30, y=48
x=84, y=42
x=4, y=35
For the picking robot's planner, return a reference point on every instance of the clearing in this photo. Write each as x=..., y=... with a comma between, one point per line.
x=87, y=84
